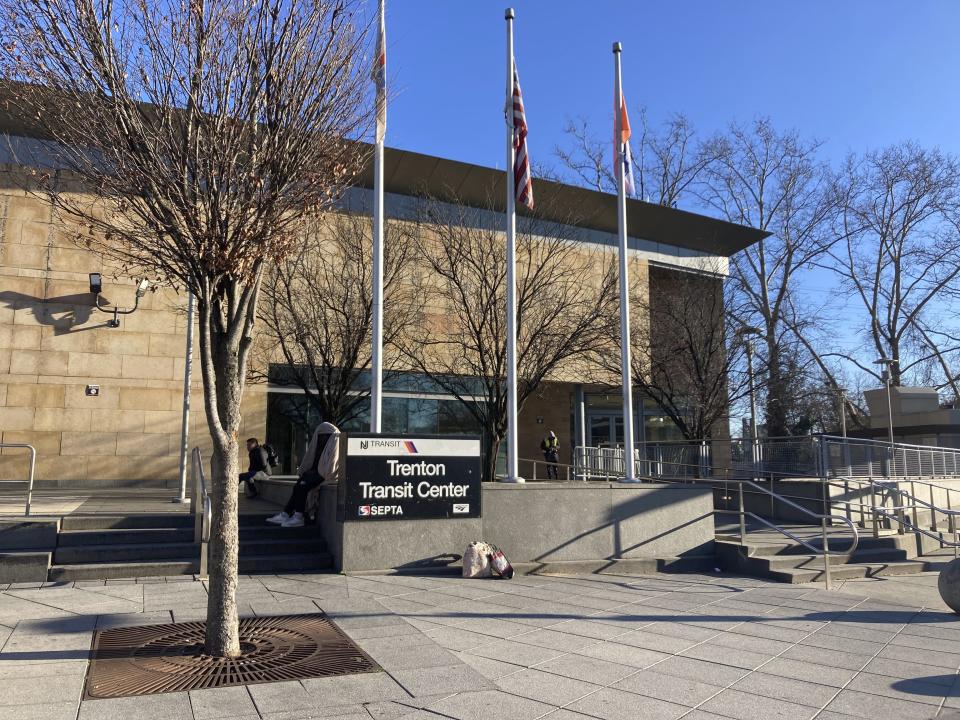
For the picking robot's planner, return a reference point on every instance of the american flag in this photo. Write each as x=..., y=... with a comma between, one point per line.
x=622, y=143
x=379, y=76
x=523, y=184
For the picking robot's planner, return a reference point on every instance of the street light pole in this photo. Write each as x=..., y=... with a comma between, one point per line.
x=887, y=377
x=746, y=332
x=753, y=400
x=843, y=412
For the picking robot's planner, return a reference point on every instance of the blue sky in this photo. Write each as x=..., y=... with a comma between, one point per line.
x=854, y=73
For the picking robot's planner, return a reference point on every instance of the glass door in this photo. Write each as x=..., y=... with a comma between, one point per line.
x=600, y=427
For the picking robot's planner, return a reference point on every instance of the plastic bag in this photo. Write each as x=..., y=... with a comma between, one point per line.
x=476, y=560
x=501, y=566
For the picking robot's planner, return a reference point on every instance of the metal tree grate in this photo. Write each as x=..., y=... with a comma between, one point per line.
x=151, y=659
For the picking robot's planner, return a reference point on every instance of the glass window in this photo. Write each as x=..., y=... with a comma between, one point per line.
x=454, y=418
x=291, y=419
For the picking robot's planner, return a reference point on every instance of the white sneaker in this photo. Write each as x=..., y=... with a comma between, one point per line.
x=279, y=519
x=295, y=521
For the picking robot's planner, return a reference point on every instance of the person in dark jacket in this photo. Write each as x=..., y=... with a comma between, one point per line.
x=551, y=453
x=321, y=464
x=258, y=469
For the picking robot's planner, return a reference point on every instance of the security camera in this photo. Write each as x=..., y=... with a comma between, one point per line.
x=142, y=287
x=96, y=283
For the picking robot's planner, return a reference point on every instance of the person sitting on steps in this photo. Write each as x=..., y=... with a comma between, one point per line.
x=319, y=465
x=258, y=469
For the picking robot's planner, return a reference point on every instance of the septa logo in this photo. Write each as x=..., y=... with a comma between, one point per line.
x=461, y=508
x=364, y=511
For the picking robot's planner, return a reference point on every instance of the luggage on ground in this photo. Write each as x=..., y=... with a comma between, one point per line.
x=476, y=560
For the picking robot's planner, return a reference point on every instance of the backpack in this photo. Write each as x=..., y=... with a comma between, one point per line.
x=272, y=459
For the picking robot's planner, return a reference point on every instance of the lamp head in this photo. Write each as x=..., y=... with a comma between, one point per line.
x=96, y=283
x=142, y=287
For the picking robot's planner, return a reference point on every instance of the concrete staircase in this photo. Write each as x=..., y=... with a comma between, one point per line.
x=99, y=547
x=774, y=556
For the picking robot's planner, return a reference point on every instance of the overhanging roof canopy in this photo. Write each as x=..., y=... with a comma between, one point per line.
x=410, y=173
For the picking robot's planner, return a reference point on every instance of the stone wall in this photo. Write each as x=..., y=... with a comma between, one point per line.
x=54, y=343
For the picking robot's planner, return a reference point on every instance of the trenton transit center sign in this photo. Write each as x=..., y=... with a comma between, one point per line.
x=411, y=477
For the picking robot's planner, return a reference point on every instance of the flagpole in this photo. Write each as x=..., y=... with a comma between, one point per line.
x=513, y=474
x=625, y=366
x=376, y=353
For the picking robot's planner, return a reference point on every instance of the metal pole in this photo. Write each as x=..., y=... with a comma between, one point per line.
x=33, y=467
x=743, y=516
x=185, y=417
x=933, y=511
x=826, y=555
x=513, y=474
x=376, y=355
x=754, y=439
x=625, y=364
x=582, y=422
x=843, y=414
x=887, y=378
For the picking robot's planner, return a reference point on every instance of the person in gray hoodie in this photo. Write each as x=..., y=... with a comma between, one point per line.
x=321, y=463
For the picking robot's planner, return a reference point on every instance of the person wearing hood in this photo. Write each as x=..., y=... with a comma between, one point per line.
x=551, y=453
x=321, y=463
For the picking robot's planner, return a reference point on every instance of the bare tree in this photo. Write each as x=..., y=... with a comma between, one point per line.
x=668, y=161
x=772, y=181
x=564, y=295
x=686, y=354
x=189, y=142
x=317, y=311
x=899, y=259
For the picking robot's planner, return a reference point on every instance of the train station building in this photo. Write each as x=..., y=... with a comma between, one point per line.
x=102, y=405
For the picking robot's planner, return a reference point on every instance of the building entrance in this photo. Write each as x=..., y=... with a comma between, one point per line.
x=605, y=430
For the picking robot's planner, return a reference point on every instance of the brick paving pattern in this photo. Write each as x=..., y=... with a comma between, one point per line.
x=563, y=648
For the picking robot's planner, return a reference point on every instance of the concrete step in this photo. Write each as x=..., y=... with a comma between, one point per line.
x=122, y=536
x=115, y=571
x=847, y=572
x=889, y=542
x=86, y=554
x=126, y=522
x=24, y=567
x=146, y=521
x=269, y=532
x=299, y=562
x=318, y=562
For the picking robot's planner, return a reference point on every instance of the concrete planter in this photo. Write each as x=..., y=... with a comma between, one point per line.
x=949, y=585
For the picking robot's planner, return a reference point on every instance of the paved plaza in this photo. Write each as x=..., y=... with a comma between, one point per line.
x=564, y=648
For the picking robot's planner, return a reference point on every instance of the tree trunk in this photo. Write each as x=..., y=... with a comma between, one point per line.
x=223, y=389
x=222, y=638
x=491, y=449
x=776, y=410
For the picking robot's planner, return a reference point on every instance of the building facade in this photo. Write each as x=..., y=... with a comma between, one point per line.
x=103, y=405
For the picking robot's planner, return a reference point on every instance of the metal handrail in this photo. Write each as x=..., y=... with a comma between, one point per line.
x=203, y=518
x=823, y=517
x=29, y=480
x=567, y=468
x=898, y=515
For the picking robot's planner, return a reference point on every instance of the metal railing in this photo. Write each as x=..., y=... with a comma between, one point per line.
x=904, y=502
x=814, y=456
x=202, y=510
x=723, y=483
x=29, y=480
x=540, y=470
x=822, y=517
